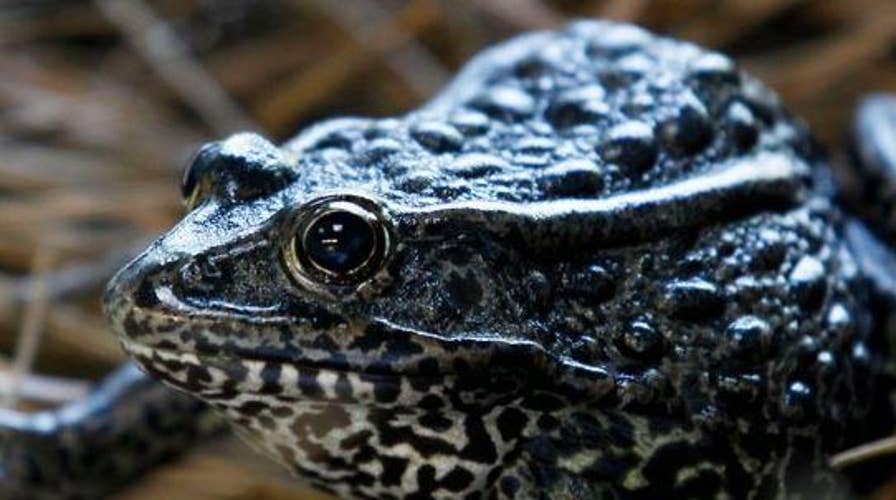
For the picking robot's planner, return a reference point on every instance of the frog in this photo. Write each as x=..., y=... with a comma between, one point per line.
x=601, y=263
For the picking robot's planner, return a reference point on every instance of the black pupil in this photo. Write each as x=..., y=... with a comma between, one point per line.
x=339, y=242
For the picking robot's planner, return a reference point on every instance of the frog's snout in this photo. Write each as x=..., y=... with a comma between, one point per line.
x=132, y=291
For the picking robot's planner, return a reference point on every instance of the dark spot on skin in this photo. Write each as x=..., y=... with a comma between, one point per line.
x=542, y=450
x=356, y=440
x=267, y=422
x=687, y=133
x=437, y=137
x=371, y=340
x=435, y=422
x=338, y=139
x=534, y=146
x=630, y=68
x=145, y=295
x=741, y=126
x=511, y=423
x=542, y=402
x=382, y=148
x=282, y=412
x=270, y=375
x=739, y=393
x=469, y=122
x=510, y=486
x=769, y=255
x=428, y=367
x=617, y=41
x=714, y=67
x=252, y=408
x=343, y=388
x=808, y=281
x=477, y=165
x=325, y=342
x=464, y=291
x=415, y=182
x=640, y=340
x=798, y=401
x=668, y=460
x=531, y=67
x=631, y=145
x=431, y=402
x=692, y=299
x=593, y=283
x=198, y=376
x=505, y=103
x=480, y=447
x=393, y=470
x=580, y=106
x=322, y=422
x=537, y=290
x=750, y=337
x=386, y=392
x=579, y=177
x=426, y=478
x=860, y=354
x=308, y=384
x=457, y=479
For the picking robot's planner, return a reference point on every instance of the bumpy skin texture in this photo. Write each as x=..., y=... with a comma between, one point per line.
x=611, y=272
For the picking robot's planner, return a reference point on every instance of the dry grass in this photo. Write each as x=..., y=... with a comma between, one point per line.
x=101, y=103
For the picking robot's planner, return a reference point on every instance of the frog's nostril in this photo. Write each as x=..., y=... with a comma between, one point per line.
x=132, y=286
x=145, y=295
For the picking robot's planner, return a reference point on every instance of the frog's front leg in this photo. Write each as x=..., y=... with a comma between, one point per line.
x=92, y=447
x=868, y=191
x=870, y=187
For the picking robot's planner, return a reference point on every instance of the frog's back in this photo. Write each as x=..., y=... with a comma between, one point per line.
x=595, y=110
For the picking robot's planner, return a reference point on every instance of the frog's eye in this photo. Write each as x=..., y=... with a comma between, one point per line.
x=338, y=241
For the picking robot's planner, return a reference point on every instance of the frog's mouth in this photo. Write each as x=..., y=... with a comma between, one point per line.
x=206, y=351
x=222, y=375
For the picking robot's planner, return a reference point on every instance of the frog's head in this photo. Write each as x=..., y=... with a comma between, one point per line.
x=306, y=271
x=292, y=272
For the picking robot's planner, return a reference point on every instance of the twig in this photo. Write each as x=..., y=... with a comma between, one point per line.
x=43, y=389
x=814, y=67
x=413, y=62
x=732, y=19
x=278, y=109
x=30, y=332
x=170, y=59
x=624, y=10
x=522, y=14
x=863, y=453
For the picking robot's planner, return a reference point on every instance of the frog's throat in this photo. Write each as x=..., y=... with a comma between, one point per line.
x=744, y=187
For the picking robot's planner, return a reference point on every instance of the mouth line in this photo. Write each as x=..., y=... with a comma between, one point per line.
x=229, y=362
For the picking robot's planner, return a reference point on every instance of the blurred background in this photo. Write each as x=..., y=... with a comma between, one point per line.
x=102, y=103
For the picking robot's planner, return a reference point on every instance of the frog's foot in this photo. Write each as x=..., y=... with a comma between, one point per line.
x=92, y=447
